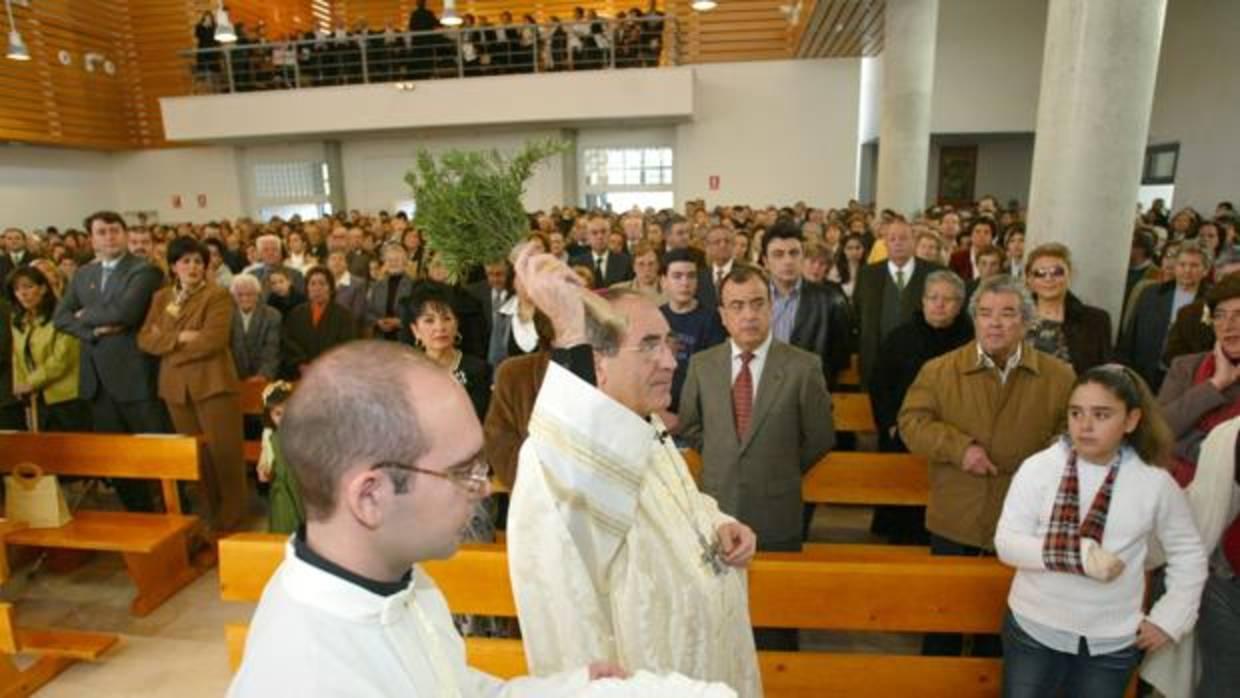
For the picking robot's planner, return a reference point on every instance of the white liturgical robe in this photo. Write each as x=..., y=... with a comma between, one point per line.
x=316, y=634
x=605, y=547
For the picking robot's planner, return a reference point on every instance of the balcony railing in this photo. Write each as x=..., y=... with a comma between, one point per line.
x=388, y=56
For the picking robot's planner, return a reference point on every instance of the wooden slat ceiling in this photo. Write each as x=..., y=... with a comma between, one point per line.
x=839, y=28
x=43, y=101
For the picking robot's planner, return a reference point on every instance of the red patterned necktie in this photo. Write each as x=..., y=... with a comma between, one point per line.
x=742, y=396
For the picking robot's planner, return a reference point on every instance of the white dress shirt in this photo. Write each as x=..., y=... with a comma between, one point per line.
x=907, y=269
x=755, y=364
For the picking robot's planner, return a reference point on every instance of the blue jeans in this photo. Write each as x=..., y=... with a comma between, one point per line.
x=1217, y=631
x=1032, y=670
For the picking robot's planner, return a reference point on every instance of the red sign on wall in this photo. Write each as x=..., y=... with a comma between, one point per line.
x=176, y=201
x=714, y=182
x=202, y=201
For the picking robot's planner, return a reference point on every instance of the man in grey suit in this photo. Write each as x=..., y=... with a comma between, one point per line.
x=387, y=295
x=758, y=411
x=105, y=306
x=756, y=446
x=255, y=331
x=888, y=293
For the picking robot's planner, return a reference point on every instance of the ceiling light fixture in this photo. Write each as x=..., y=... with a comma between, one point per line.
x=450, y=17
x=704, y=5
x=17, y=47
x=225, y=33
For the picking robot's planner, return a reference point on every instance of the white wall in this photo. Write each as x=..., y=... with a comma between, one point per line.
x=374, y=168
x=580, y=97
x=773, y=131
x=50, y=186
x=988, y=65
x=1197, y=100
x=147, y=180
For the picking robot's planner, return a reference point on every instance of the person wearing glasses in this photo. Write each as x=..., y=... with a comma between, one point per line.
x=610, y=543
x=387, y=454
x=1064, y=327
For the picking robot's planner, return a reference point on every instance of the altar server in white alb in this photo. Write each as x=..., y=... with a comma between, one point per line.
x=386, y=452
x=1077, y=525
x=613, y=551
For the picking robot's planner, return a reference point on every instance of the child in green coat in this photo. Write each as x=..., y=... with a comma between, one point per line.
x=287, y=514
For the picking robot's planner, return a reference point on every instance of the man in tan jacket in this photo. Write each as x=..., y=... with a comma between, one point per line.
x=976, y=414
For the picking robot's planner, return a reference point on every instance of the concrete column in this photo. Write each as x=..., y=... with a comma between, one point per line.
x=1098, y=70
x=910, y=29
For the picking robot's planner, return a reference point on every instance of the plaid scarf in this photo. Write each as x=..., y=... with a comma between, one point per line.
x=1061, y=550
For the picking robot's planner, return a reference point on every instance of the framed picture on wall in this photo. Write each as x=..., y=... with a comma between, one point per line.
x=957, y=174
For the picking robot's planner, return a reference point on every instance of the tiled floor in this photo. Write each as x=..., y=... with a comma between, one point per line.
x=178, y=650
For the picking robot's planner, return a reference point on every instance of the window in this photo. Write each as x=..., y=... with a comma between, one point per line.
x=287, y=188
x=619, y=177
x=285, y=212
x=1160, y=164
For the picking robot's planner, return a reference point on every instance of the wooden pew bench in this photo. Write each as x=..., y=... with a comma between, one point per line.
x=153, y=545
x=845, y=477
x=826, y=587
x=852, y=412
x=54, y=650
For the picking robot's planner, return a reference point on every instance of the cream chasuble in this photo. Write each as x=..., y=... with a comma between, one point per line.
x=604, y=550
x=315, y=634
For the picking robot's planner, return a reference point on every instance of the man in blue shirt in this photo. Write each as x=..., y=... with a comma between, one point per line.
x=696, y=327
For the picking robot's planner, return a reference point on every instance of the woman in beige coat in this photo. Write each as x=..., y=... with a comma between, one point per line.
x=188, y=327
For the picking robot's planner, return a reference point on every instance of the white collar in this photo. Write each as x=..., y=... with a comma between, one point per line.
x=1013, y=360
x=758, y=353
x=510, y=306
x=907, y=268
x=339, y=597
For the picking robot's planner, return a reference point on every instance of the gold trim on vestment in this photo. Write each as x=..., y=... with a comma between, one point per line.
x=562, y=439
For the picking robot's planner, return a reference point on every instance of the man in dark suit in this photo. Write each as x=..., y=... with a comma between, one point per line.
x=609, y=267
x=758, y=411
x=720, y=244
x=1142, y=343
x=256, y=328
x=888, y=293
x=813, y=317
x=15, y=252
x=104, y=307
x=491, y=293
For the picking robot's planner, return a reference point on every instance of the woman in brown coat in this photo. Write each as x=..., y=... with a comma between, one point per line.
x=188, y=327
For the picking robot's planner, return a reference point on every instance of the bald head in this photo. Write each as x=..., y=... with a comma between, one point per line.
x=348, y=411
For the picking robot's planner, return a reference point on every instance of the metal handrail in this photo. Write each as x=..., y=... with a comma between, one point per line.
x=456, y=52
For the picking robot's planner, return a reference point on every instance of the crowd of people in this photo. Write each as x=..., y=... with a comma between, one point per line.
x=974, y=350
x=425, y=48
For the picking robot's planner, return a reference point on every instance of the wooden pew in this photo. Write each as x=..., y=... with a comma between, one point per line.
x=850, y=477
x=153, y=545
x=852, y=412
x=868, y=478
x=54, y=650
x=851, y=376
x=826, y=587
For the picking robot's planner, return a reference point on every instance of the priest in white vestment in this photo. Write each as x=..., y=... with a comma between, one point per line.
x=386, y=450
x=613, y=551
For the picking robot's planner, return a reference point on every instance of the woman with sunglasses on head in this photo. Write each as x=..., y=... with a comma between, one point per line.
x=1065, y=327
x=1076, y=525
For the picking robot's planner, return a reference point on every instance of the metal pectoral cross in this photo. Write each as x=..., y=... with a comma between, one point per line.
x=712, y=558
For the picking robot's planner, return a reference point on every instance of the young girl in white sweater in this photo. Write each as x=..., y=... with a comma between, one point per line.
x=1076, y=525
